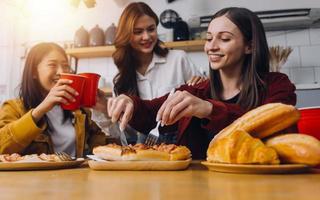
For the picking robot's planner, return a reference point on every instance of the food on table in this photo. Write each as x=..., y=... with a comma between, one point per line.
x=29, y=158
x=232, y=144
x=296, y=148
x=141, y=152
x=241, y=148
x=263, y=121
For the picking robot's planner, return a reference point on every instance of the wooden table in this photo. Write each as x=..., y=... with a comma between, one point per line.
x=196, y=183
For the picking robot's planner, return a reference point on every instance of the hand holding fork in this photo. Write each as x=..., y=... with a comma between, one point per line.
x=153, y=136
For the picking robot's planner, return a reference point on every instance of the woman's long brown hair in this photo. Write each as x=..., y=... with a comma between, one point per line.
x=256, y=64
x=124, y=57
x=30, y=88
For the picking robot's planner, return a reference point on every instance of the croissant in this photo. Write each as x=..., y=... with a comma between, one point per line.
x=296, y=148
x=263, y=121
x=240, y=148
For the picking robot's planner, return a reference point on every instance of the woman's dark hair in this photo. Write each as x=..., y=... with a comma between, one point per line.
x=30, y=87
x=256, y=64
x=124, y=56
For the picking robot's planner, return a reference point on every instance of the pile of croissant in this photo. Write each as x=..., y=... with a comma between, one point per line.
x=254, y=139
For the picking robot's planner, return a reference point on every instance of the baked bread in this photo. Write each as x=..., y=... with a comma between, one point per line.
x=296, y=148
x=268, y=119
x=140, y=152
x=10, y=157
x=263, y=121
x=240, y=148
x=15, y=157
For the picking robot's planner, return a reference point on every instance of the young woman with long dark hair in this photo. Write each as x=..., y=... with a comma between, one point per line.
x=35, y=122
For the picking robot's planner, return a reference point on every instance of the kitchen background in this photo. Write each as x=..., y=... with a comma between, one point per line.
x=26, y=22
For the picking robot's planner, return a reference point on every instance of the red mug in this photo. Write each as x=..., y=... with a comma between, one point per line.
x=90, y=89
x=77, y=84
x=309, y=122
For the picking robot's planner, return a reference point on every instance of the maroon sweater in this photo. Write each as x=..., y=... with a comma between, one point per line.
x=196, y=133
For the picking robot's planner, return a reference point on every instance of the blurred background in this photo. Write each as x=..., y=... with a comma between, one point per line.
x=24, y=23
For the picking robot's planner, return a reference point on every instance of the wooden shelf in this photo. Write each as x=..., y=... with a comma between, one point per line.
x=191, y=45
x=91, y=52
x=106, y=51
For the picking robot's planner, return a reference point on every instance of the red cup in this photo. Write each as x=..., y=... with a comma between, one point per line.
x=90, y=90
x=309, y=122
x=77, y=84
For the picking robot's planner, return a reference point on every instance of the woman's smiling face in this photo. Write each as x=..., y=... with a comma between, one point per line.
x=144, y=36
x=225, y=45
x=49, y=69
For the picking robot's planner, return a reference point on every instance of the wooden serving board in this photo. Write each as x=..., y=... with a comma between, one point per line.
x=139, y=165
x=22, y=166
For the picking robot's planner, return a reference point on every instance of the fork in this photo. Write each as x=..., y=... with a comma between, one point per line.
x=64, y=156
x=153, y=136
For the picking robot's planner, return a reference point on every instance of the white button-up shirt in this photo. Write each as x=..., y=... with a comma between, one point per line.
x=165, y=73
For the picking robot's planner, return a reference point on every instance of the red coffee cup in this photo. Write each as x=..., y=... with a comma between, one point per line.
x=77, y=84
x=90, y=89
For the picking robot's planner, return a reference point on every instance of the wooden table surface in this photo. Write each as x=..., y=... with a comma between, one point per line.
x=195, y=183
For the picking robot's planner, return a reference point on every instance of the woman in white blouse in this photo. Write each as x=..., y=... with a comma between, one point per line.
x=146, y=68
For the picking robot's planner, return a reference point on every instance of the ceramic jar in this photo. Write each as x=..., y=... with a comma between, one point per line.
x=81, y=37
x=96, y=37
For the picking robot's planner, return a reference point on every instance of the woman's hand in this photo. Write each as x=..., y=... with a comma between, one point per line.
x=183, y=104
x=120, y=109
x=60, y=93
x=196, y=80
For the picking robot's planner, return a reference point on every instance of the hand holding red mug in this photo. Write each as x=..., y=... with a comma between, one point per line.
x=61, y=93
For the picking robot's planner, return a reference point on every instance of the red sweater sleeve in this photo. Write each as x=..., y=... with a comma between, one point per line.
x=145, y=111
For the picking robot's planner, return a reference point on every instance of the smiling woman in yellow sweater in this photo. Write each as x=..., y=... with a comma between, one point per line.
x=35, y=122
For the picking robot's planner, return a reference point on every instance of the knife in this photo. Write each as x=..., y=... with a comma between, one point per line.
x=122, y=136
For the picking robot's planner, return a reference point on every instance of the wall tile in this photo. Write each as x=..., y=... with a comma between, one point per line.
x=302, y=75
x=200, y=60
x=310, y=56
x=83, y=65
x=4, y=64
x=275, y=38
x=285, y=71
x=4, y=33
x=294, y=59
x=315, y=36
x=298, y=37
x=317, y=74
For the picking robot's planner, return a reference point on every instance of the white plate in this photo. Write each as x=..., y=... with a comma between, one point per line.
x=139, y=165
x=257, y=169
x=15, y=166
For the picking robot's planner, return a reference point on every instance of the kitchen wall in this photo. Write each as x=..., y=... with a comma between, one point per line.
x=302, y=67
x=11, y=40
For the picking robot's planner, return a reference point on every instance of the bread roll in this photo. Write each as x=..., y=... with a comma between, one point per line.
x=151, y=154
x=180, y=153
x=296, y=148
x=240, y=148
x=268, y=119
x=108, y=152
x=141, y=152
x=263, y=121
